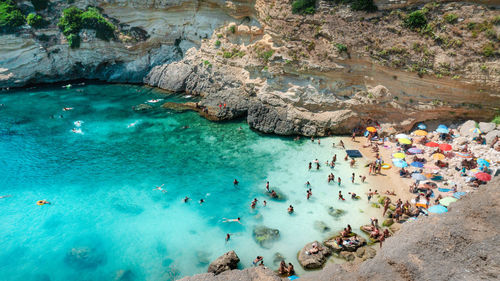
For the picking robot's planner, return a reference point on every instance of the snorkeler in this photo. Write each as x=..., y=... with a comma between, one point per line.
x=160, y=188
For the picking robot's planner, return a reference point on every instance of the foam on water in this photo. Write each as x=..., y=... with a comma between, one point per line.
x=101, y=184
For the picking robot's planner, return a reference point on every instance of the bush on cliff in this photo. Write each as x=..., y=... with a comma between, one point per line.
x=363, y=5
x=304, y=6
x=35, y=20
x=74, y=19
x=10, y=16
x=40, y=4
x=415, y=20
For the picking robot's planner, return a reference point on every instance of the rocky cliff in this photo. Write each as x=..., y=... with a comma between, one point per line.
x=287, y=73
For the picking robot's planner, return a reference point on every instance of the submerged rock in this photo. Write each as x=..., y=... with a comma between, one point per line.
x=142, y=107
x=265, y=236
x=228, y=261
x=313, y=261
x=203, y=257
x=124, y=275
x=84, y=258
x=277, y=258
x=321, y=226
x=348, y=256
x=336, y=213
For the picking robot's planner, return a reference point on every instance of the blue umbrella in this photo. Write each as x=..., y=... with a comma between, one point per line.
x=458, y=195
x=442, y=130
x=417, y=164
x=418, y=177
x=483, y=162
x=438, y=209
x=366, y=133
x=400, y=163
x=442, y=126
x=422, y=126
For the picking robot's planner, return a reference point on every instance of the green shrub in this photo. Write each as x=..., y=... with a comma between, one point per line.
x=496, y=120
x=266, y=55
x=341, y=47
x=35, y=20
x=304, y=6
x=496, y=20
x=74, y=19
x=73, y=40
x=92, y=19
x=451, y=18
x=415, y=20
x=491, y=34
x=363, y=5
x=232, y=28
x=217, y=43
x=10, y=15
x=488, y=49
x=40, y=4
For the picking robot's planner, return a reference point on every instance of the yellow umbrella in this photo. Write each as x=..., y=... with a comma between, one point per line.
x=371, y=129
x=438, y=156
x=420, y=133
x=404, y=141
x=399, y=155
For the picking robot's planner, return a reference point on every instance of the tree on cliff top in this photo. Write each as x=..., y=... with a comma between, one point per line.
x=10, y=16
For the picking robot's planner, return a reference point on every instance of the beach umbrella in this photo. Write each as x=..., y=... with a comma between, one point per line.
x=400, y=163
x=420, y=133
x=438, y=156
x=442, y=130
x=371, y=129
x=443, y=126
x=417, y=164
x=476, y=131
x=445, y=147
x=422, y=126
x=437, y=178
x=418, y=177
x=447, y=201
x=404, y=141
x=463, y=154
x=399, y=155
x=483, y=176
x=402, y=136
x=437, y=209
x=459, y=195
x=483, y=162
x=415, y=150
x=432, y=144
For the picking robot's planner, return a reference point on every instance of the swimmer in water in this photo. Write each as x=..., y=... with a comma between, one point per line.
x=290, y=209
x=186, y=199
x=228, y=236
x=238, y=220
x=267, y=187
x=78, y=123
x=265, y=203
x=341, y=197
x=201, y=201
x=132, y=124
x=352, y=178
x=308, y=184
x=309, y=194
x=5, y=196
x=67, y=108
x=339, y=180
x=160, y=188
x=310, y=165
x=235, y=182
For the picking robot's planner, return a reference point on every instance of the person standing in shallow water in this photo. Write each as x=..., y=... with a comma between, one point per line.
x=235, y=182
x=267, y=187
x=290, y=209
x=338, y=178
x=310, y=165
x=228, y=236
x=352, y=178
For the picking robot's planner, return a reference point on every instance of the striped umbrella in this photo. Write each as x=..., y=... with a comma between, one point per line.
x=415, y=150
x=463, y=155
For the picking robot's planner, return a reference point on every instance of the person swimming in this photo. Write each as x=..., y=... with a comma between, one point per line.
x=238, y=220
x=5, y=196
x=202, y=201
x=339, y=180
x=290, y=209
x=78, y=123
x=160, y=188
x=264, y=202
x=309, y=194
x=228, y=236
x=77, y=131
x=235, y=182
x=352, y=178
x=67, y=108
x=133, y=124
x=267, y=187
x=186, y=199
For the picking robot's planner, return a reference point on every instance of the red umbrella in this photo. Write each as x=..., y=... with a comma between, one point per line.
x=445, y=147
x=432, y=144
x=483, y=176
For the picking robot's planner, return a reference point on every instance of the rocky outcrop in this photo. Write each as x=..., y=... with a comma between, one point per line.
x=228, y=261
x=313, y=261
x=259, y=273
x=265, y=236
x=171, y=77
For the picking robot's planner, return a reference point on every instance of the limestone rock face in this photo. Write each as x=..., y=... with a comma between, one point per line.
x=226, y=262
x=491, y=136
x=467, y=128
x=171, y=77
x=487, y=127
x=313, y=261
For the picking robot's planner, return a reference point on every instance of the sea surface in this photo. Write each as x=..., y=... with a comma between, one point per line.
x=106, y=220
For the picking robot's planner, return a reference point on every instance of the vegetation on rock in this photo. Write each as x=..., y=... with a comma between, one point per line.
x=35, y=20
x=450, y=18
x=10, y=16
x=363, y=5
x=415, y=20
x=40, y=4
x=303, y=7
x=74, y=19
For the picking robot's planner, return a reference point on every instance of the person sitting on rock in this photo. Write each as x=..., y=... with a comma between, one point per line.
x=314, y=250
x=282, y=269
x=290, y=270
x=274, y=194
x=257, y=260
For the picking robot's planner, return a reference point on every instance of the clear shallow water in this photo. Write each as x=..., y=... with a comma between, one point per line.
x=101, y=186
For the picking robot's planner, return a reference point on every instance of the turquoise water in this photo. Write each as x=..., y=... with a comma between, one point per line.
x=107, y=221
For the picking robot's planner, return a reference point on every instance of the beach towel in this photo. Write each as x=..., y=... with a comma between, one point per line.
x=293, y=277
x=354, y=153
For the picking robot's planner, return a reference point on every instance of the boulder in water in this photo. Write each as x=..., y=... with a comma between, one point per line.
x=142, y=107
x=388, y=222
x=466, y=128
x=336, y=213
x=321, y=226
x=348, y=256
x=487, y=127
x=124, y=275
x=203, y=257
x=277, y=258
x=228, y=261
x=84, y=257
x=312, y=261
x=265, y=236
